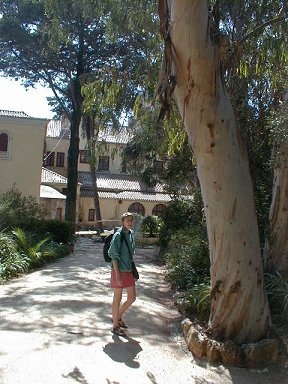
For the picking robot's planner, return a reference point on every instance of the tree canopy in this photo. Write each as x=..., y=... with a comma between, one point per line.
x=68, y=44
x=57, y=42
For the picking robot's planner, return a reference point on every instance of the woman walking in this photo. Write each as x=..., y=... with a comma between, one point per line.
x=121, y=251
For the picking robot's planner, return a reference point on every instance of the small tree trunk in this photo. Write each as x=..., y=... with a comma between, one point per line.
x=278, y=242
x=73, y=151
x=99, y=224
x=239, y=308
x=92, y=136
x=72, y=172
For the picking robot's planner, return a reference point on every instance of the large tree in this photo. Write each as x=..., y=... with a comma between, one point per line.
x=192, y=73
x=49, y=42
x=66, y=44
x=102, y=106
x=256, y=84
x=277, y=255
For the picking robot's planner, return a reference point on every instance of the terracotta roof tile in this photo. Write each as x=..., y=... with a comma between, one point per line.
x=7, y=113
x=121, y=137
x=48, y=177
x=111, y=186
x=61, y=128
x=50, y=193
x=128, y=195
x=118, y=182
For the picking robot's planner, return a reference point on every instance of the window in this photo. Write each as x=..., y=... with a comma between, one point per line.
x=50, y=159
x=103, y=164
x=84, y=156
x=137, y=208
x=59, y=214
x=3, y=142
x=91, y=215
x=123, y=166
x=60, y=159
x=158, y=210
x=4, y=145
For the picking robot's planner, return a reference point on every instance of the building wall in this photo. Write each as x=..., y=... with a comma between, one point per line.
x=55, y=208
x=111, y=211
x=111, y=150
x=23, y=166
x=57, y=146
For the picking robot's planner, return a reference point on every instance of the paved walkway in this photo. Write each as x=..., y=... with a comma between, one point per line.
x=55, y=328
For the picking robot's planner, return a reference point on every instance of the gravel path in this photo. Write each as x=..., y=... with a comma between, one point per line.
x=55, y=328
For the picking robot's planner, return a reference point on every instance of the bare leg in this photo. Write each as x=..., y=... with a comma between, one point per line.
x=131, y=297
x=116, y=305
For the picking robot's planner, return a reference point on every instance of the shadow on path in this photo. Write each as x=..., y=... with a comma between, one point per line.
x=76, y=375
x=123, y=350
x=55, y=328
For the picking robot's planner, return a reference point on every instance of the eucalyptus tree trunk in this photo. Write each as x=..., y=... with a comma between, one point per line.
x=278, y=242
x=239, y=308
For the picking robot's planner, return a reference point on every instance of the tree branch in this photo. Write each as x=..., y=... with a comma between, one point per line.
x=262, y=26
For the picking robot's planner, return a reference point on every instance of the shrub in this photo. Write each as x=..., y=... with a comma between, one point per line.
x=182, y=214
x=22, y=251
x=150, y=226
x=38, y=250
x=277, y=293
x=29, y=247
x=11, y=262
x=187, y=258
x=59, y=231
x=200, y=299
x=18, y=211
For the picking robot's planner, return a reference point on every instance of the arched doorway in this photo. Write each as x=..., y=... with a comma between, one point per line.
x=158, y=210
x=137, y=208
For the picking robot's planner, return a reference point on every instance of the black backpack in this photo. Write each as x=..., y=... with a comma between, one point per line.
x=107, y=242
x=106, y=247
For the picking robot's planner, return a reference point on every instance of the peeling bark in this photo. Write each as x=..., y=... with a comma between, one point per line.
x=239, y=308
x=278, y=242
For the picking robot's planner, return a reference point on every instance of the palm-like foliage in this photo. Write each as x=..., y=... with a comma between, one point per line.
x=277, y=292
x=36, y=251
x=21, y=251
x=200, y=297
x=12, y=263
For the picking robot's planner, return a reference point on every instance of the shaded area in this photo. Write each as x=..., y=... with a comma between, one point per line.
x=56, y=328
x=123, y=350
x=70, y=299
x=77, y=376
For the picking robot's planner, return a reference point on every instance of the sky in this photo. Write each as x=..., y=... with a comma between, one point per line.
x=14, y=97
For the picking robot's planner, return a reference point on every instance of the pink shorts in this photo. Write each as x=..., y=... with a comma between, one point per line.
x=126, y=277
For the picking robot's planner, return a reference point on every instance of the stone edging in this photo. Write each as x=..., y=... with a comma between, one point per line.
x=263, y=353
